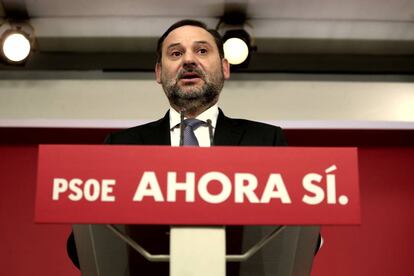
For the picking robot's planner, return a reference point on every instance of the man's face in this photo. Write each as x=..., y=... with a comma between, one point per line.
x=191, y=71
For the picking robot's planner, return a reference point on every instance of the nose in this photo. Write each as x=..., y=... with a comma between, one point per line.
x=189, y=59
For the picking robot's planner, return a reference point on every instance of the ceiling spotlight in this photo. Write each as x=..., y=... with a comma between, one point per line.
x=236, y=46
x=236, y=34
x=15, y=45
x=236, y=50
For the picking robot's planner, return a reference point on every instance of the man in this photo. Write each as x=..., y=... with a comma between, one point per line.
x=191, y=69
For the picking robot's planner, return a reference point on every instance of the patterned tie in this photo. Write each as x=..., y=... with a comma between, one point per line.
x=190, y=125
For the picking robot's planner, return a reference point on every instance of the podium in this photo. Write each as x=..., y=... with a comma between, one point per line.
x=191, y=211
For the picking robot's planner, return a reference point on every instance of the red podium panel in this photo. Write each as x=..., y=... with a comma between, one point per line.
x=195, y=185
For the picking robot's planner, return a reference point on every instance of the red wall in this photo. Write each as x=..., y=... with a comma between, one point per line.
x=381, y=245
x=27, y=248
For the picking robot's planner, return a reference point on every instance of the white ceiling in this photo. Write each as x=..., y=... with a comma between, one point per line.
x=361, y=27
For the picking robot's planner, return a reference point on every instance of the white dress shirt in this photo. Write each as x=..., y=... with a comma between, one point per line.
x=202, y=132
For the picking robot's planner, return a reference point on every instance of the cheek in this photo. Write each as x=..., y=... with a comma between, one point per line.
x=170, y=72
x=168, y=76
x=214, y=68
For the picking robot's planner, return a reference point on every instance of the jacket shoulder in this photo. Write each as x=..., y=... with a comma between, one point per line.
x=258, y=128
x=255, y=124
x=134, y=135
x=254, y=133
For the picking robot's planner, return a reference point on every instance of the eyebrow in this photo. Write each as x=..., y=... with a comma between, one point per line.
x=202, y=42
x=195, y=42
x=173, y=45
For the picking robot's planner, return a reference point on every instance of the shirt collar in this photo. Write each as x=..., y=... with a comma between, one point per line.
x=211, y=113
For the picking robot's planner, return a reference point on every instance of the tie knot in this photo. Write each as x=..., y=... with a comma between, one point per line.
x=192, y=123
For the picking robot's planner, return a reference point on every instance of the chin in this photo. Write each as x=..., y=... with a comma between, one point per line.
x=196, y=89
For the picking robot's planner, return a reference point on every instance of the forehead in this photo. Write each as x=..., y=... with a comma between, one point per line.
x=188, y=35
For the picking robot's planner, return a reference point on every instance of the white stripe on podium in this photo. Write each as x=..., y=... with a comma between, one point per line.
x=197, y=251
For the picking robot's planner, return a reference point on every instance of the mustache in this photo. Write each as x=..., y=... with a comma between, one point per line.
x=194, y=70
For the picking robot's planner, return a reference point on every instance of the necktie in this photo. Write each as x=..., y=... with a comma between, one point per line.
x=190, y=125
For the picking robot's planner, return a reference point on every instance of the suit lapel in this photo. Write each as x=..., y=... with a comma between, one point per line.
x=228, y=131
x=158, y=133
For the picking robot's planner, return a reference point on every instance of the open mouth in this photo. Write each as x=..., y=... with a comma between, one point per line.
x=190, y=76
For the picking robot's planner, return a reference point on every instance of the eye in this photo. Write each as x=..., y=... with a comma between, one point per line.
x=202, y=51
x=175, y=53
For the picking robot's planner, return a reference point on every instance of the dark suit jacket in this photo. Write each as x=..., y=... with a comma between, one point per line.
x=228, y=132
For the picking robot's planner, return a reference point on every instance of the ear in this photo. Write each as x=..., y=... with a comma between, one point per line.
x=158, y=72
x=226, y=68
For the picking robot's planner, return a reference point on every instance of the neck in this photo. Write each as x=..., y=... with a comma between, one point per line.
x=192, y=112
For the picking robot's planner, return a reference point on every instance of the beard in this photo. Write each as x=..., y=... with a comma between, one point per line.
x=193, y=99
